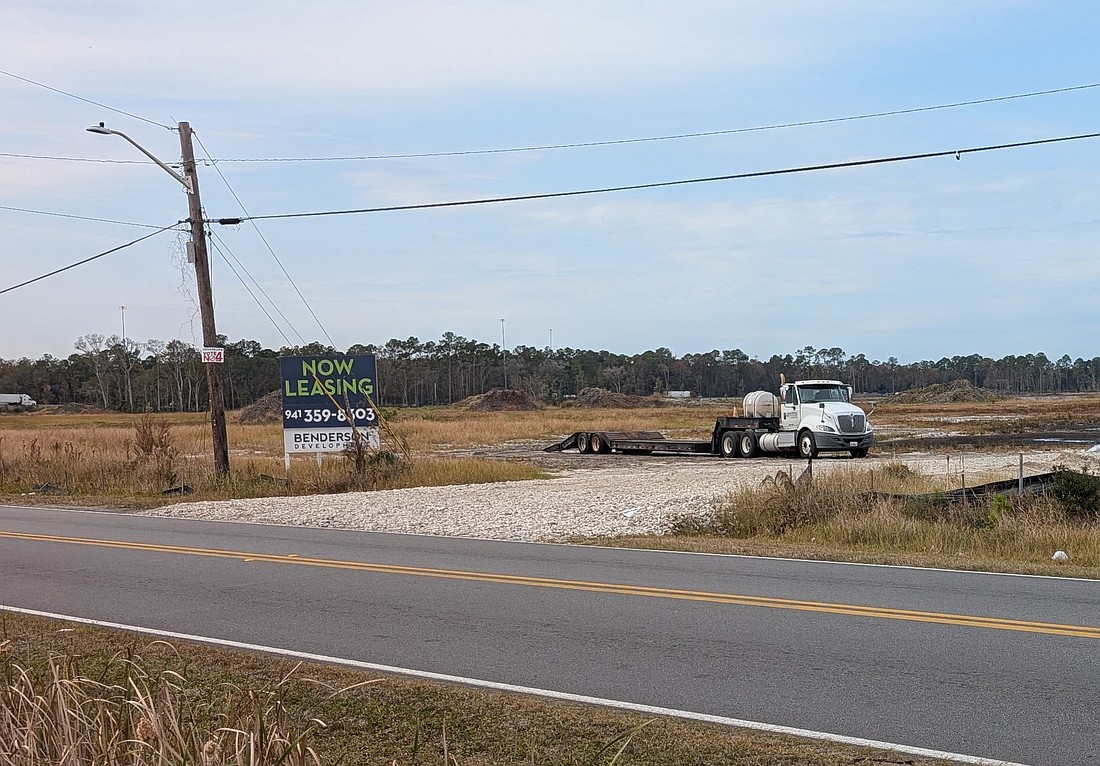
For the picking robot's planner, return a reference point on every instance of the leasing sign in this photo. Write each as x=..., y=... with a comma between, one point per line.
x=326, y=399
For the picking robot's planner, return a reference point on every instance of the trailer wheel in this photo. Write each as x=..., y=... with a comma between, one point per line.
x=748, y=445
x=599, y=444
x=807, y=447
x=727, y=445
x=584, y=446
x=861, y=452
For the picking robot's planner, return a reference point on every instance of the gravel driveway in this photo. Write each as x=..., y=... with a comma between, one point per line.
x=589, y=496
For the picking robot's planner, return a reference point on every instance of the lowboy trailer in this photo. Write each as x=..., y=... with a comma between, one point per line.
x=808, y=417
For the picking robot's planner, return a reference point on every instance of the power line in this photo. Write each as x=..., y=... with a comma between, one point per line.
x=249, y=289
x=77, y=217
x=274, y=305
x=86, y=100
x=701, y=134
x=86, y=260
x=71, y=159
x=583, y=144
x=273, y=255
x=660, y=184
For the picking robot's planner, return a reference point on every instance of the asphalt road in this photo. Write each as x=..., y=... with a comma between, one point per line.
x=985, y=665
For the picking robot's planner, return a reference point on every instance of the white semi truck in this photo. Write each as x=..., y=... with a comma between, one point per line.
x=808, y=417
x=16, y=400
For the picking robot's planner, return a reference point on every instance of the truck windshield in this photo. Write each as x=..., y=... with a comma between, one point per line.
x=814, y=394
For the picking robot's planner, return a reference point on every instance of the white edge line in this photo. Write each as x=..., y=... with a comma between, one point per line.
x=145, y=514
x=529, y=690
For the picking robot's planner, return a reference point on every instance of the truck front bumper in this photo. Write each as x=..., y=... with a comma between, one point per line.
x=827, y=442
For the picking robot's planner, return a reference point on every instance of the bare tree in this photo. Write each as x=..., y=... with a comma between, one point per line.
x=93, y=347
x=124, y=353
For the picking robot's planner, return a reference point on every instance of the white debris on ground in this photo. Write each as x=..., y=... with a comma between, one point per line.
x=643, y=495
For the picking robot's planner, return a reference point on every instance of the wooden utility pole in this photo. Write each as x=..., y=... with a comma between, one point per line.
x=206, y=303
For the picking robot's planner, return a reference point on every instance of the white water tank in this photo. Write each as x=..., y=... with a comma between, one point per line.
x=761, y=404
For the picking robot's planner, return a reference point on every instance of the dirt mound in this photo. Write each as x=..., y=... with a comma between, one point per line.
x=500, y=400
x=601, y=397
x=942, y=393
x=266, y=409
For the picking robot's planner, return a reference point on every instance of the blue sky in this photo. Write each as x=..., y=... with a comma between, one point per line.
x=995, y=253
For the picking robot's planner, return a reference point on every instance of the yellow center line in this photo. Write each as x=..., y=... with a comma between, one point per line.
x=997, y=623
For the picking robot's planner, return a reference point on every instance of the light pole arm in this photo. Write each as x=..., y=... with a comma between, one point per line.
x=185, y=182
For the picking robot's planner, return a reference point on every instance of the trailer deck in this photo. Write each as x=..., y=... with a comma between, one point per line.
x=630, y=442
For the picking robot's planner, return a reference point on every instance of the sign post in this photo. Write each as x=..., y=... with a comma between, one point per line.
x=326, y=399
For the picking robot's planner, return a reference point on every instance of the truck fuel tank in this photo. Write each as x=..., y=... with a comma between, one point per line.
x=761, y=404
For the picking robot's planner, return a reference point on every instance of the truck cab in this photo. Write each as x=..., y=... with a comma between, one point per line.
x=821, y=417
x=16, y=400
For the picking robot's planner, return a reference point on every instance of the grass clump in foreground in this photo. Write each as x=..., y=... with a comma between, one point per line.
x=76, y=694
x=896, y=515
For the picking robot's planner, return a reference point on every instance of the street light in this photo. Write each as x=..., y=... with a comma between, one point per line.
x=190, y=182
x=105, y=131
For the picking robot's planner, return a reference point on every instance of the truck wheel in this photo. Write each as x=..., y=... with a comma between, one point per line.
x=861, y=452
x=749, y=445
x=727, y=445
x=807, y=447
x=599, y=444
x=584, y=446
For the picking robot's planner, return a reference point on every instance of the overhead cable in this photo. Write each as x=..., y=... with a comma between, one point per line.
x=273, y=255
x=77, y=217
x=248, y=289
x=701, y=134
x=957, y=153
x=87, y=260
x=610, y=142
x=71, y=159
x=87, y=100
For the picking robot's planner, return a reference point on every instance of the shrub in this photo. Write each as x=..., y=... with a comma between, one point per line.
x=1078, y=492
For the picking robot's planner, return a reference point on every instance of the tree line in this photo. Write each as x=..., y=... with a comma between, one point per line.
x=123, y=374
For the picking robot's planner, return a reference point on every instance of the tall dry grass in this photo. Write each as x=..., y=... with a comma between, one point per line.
x=840, y=511
x=126, y=714
x=132, y=460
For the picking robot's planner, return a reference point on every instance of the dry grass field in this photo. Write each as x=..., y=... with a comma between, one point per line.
x=123, y=699
x=129, y=460
x=1010, y=416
